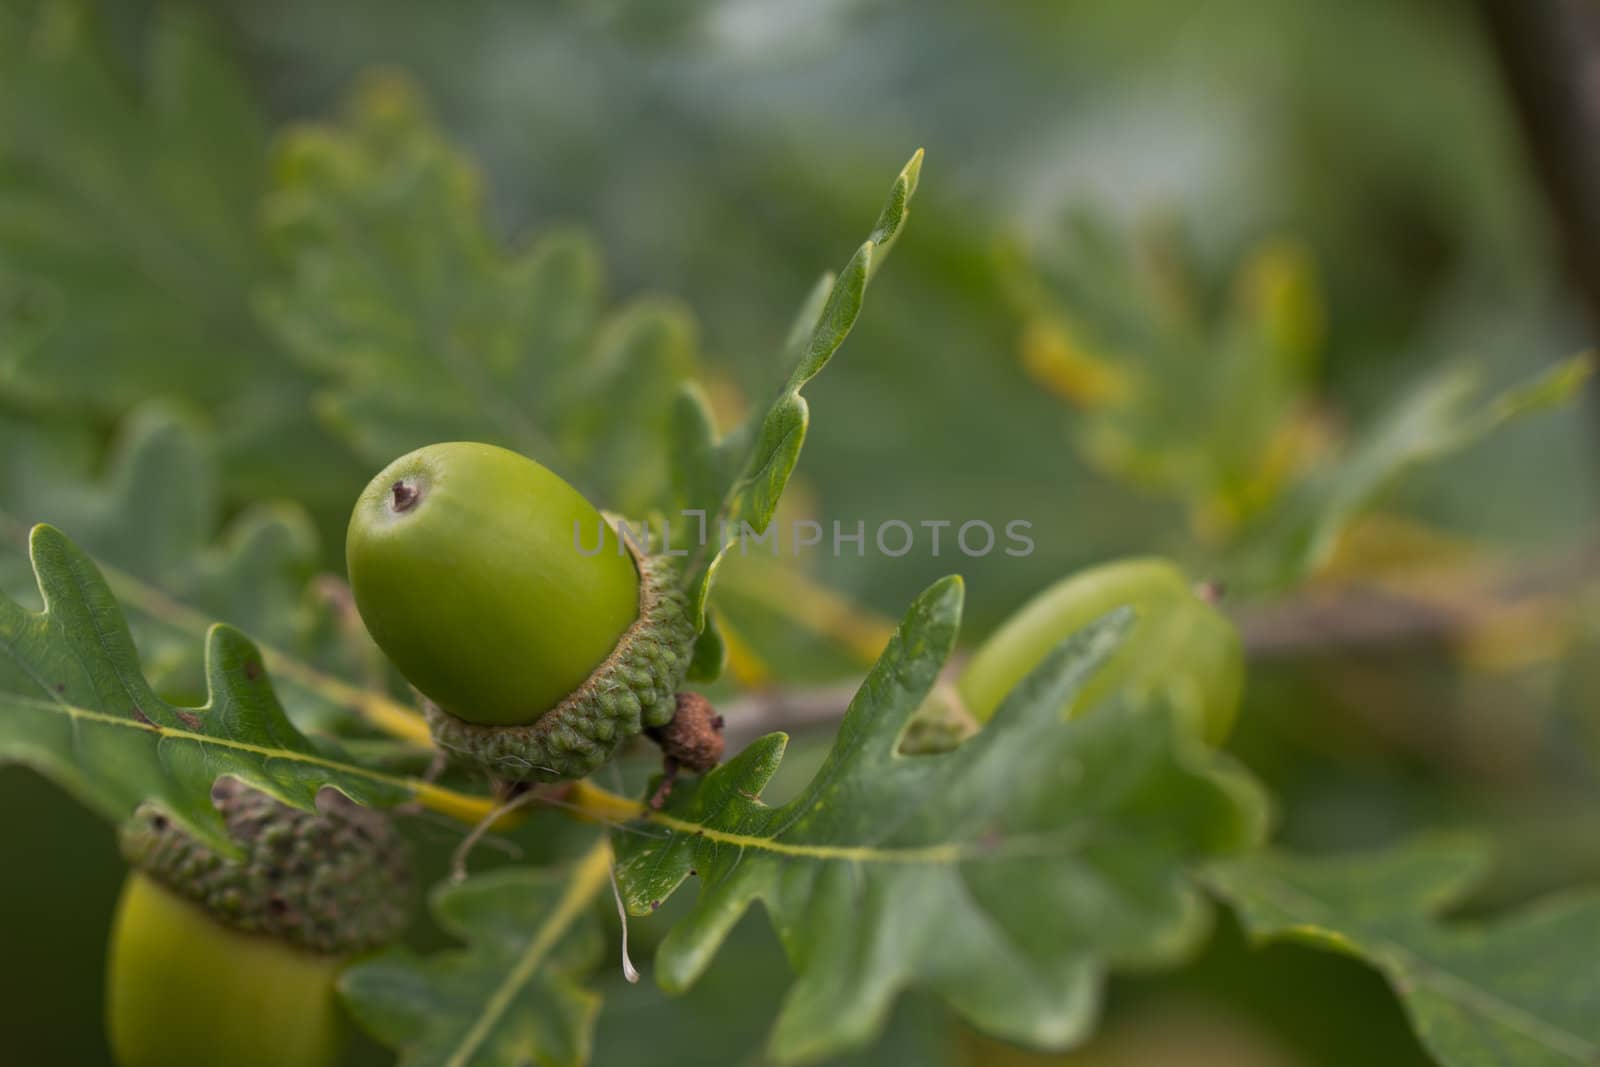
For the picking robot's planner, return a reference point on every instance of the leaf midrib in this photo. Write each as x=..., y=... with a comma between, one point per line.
x=385, y=714
x=592, y=871
x=601, y=803
x=414, y=787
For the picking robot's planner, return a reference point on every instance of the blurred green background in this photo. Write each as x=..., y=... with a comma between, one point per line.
x=722, y=154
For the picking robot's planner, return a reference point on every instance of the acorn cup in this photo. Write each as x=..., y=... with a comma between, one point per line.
x=541, y=638
x=215, y=960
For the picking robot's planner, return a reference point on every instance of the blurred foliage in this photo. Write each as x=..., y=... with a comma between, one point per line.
x=1213, y=402
x=1424, y=231
x=428, y=332
x=1211, y=405
x=1327, y=200
x=128, y=243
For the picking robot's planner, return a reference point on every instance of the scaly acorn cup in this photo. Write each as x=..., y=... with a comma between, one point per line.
x=541, y=638
x=1181, y=648
x=216, y=960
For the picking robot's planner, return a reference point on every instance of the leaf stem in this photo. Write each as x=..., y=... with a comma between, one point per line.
x=594, y=804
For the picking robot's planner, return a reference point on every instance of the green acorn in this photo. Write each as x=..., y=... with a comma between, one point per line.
x=1181, y=648
x=541, y=638
x=217, y=960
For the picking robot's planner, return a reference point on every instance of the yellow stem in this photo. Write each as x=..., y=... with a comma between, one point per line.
x=469, y=808
x=589, y=802
x=589, y=877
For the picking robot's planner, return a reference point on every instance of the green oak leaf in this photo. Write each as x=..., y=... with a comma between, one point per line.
x=149, y=523
x=736, y=481
x=1517, y=991
x=736, y=1001
x=1006, y=875
x=75, y=706
x=427, y=329
x=515, y=995
x=152, y=516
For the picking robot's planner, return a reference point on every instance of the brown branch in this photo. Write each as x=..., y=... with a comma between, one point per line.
x=789, y=710
x=1429, y=608
x=1417, y=611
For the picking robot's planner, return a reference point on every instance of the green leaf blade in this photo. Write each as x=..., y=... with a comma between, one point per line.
x=75, y=706
x=761, y=455
x=514, y=995
x=1518, y=991
x=891, y=870
x=149, y=523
